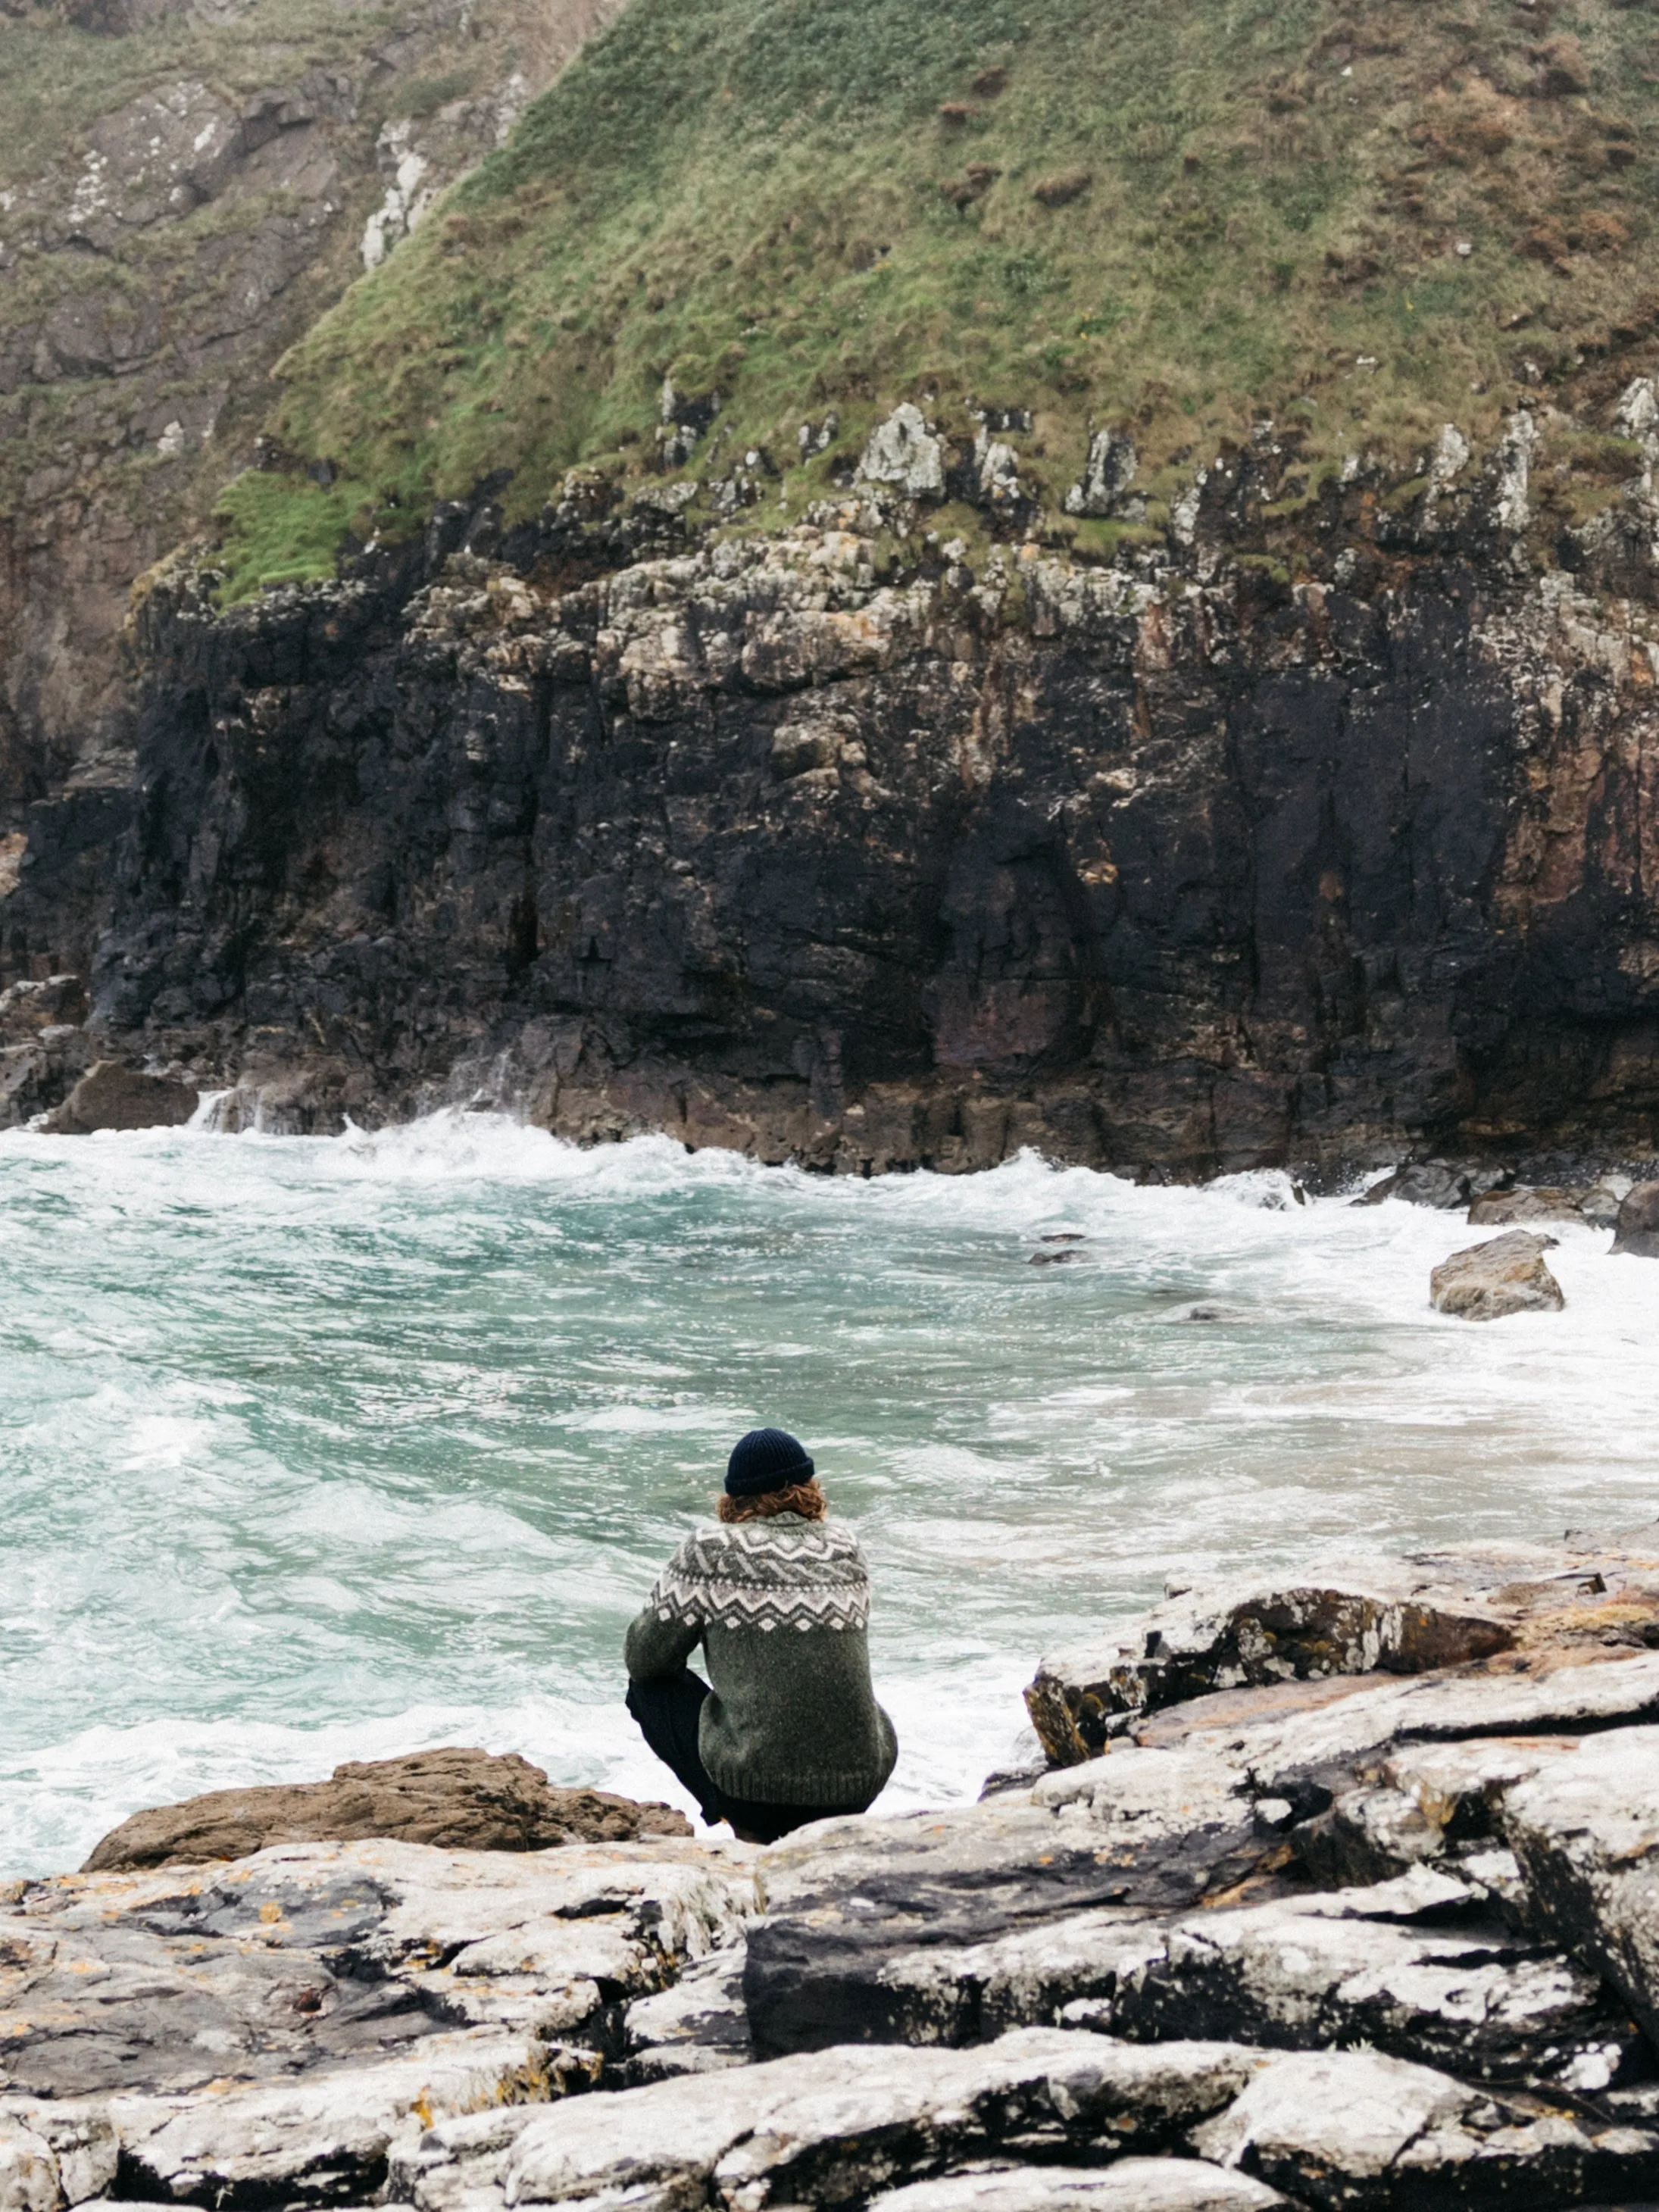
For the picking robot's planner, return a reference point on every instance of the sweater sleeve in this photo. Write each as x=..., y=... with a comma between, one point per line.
x=668, y=1628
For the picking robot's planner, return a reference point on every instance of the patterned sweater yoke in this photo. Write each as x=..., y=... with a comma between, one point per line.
x=762, y=1574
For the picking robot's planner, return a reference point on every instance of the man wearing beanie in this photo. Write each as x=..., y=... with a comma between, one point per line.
x=786, y=1730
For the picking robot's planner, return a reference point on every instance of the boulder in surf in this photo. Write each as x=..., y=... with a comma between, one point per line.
x=112, y=1096
x=1636, y=1229
x=1485, y=1282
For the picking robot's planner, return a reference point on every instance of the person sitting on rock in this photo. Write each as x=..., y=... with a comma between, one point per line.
x=786, y=1730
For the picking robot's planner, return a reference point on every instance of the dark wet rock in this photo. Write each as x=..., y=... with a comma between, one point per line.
x=1002, y=1780
x=1425, y=1182
x=924, y=1989
x=1486, y=1282
x=1638, y=1226
x=855, y=1911
x=112, y=1096
x=467, y=739
x=459, y=1799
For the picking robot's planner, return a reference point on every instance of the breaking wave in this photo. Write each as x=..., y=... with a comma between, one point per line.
x=318, y=1450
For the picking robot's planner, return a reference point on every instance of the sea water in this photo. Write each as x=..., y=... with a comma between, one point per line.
x=324, y=1450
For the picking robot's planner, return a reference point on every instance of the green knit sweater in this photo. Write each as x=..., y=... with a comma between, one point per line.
x=781, y=1607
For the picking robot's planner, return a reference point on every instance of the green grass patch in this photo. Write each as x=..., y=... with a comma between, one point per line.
x=796, y=205
x=281, y=529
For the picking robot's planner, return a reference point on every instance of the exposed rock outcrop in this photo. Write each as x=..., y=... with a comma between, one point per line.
x=1131, y=2184
x=204, y=204
x=1507, y=1208
x=799, y=846
x=459, y=1799
x=1379, y=1615
x=1508, y=1275
x=1107, y=475
x=1345, y=1941
x=44, y=1046
x=1250, y=1648
x=903, y=452
x=1423, y=1182
x=112, y=1096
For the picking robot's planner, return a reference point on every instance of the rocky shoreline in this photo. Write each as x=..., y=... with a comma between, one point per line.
x=1336, y=1891
x=849, y=841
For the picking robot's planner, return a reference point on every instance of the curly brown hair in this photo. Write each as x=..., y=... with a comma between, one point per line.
x=802, y=1498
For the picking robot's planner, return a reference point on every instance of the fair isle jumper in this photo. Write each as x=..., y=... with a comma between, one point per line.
x=781, y=1607
x=783, y=1573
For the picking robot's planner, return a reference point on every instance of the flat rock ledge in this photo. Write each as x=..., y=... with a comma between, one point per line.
x=1337, y=1892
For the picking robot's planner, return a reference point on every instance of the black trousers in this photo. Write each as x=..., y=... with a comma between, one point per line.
x=667, y=1710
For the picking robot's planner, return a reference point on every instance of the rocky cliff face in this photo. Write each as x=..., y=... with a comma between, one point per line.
x=836, y=844
x=183, y=189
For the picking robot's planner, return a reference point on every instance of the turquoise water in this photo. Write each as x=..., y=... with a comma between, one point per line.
x=315, y=1450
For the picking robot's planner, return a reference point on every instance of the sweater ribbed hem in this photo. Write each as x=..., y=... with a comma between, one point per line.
x=831, y=1789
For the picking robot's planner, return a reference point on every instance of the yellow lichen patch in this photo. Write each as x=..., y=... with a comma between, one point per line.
x=1623, y=1618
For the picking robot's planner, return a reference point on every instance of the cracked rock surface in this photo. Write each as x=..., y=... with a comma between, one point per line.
x=1305, y=1933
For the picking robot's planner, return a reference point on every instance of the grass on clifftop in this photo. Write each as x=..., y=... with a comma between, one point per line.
x=1179, y=219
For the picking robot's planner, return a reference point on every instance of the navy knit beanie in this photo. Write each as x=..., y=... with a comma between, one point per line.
x=766, y=1459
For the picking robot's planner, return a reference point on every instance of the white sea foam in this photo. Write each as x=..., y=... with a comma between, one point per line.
x=324, y=1450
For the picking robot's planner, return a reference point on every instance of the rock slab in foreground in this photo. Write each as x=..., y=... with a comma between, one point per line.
x=1487, y=1282
x=1131, y=2184
x=1362, y=1942
x=316, y=1960
x=458, y=1799
x=1340, y=2129
x=838, y=2128
x=1585, y=1829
